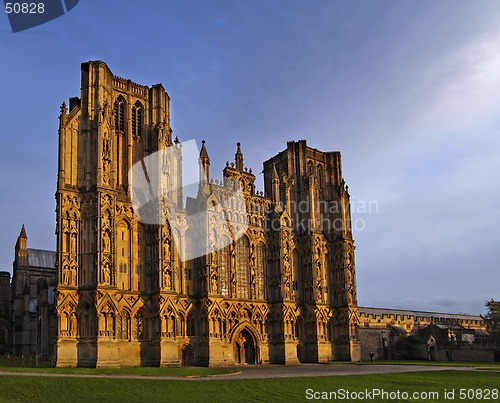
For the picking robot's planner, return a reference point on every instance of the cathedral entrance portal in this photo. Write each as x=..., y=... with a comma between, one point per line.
x=245, y=348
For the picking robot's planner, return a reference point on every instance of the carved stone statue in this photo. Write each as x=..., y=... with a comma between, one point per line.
x=106, y=243
x=66, y=275
x=106, y=273
x=167, y=277
x=73, y=276
x=215, y=286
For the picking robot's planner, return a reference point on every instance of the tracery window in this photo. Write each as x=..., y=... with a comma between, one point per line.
x=224, y=262
x=260, y=262
x=119, y=114
x=242, y=267
x=137, y=117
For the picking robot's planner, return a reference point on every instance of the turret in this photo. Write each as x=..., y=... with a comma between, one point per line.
x=238, y=158
x=21, y=258
x=204, y=163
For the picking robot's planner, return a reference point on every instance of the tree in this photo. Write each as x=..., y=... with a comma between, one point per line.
x=407, y=347
x=493, y=320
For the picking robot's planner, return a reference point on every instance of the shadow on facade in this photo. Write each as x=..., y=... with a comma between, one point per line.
x=88, y=331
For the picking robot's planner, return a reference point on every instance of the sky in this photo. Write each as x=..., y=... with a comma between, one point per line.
x=407, y=91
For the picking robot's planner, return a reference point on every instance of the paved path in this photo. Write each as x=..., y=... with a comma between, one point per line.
x=270, y=371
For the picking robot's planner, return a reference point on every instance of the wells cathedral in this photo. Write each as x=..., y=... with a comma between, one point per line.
x=273, y=295
x=281, y=289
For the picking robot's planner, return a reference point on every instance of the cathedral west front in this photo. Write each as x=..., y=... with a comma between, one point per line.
x=275, y=282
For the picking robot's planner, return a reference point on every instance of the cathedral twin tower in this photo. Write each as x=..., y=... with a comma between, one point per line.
x=280, y=288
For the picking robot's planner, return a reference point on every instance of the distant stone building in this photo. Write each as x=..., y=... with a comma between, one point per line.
x=33, y=324
x=443, y=337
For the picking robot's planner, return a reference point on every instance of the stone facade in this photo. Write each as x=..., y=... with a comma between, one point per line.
x=281, y=289
x=27, y=313
x=282, y=292
x=443, y=337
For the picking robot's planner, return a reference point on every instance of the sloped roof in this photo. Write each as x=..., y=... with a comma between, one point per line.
x=41, y=258
x=451, y=327
x=390, y=311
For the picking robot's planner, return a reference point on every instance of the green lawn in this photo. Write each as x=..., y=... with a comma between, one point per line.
x=434, y=363
x=144, y=371
x=61, y=389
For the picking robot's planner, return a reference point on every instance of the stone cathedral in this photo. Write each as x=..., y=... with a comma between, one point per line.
x=283, y=291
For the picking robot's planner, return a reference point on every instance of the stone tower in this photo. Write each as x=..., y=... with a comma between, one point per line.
x=107, y=260
x=313, y=254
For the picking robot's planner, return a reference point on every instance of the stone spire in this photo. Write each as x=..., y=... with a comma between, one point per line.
x=238, y=158
x=204, y=162
x=22, y=249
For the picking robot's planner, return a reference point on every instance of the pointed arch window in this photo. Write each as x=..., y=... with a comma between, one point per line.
x=260, y=252
x=119, y=114
x=242, y=269
x=137, y=119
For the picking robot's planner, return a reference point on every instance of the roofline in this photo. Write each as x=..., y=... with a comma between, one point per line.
x=423, y=312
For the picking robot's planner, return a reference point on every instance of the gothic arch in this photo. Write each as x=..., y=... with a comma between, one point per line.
x=137, y=120
x=242, y=269
x=245, y=340
x=119, y=108
x=191, y=324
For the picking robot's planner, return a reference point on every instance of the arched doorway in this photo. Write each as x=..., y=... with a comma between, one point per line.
x=245, y=348
x=187, y=356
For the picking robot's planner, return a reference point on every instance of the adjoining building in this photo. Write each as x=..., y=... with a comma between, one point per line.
x=28, y=320
x=436, y=336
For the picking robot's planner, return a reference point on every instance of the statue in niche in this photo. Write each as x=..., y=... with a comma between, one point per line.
x=286, y=264
x=106, y=152
x=103, y=112
x=213, y=259
x=287, y=288
x=319, y=289
x=167, y=277
x=352, y=295
x=215, y=285
x=106, y=273
x=66, y=275
x=166, y=251
x=349, y=276
x=73, y=243
x=161, y=131
x=73, y=275
x=105, y=171
x=106, y=242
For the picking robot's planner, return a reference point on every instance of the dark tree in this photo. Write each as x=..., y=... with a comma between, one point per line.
x=408, y=347
x=493, y=320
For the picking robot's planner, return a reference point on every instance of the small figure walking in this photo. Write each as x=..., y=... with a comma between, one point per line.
x=371, y=356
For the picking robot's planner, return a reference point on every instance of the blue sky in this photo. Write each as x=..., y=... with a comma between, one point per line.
x=407, y=91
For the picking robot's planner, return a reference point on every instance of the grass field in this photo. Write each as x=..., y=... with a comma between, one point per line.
x=144, y=371
x=435, y=363
x=65, y=389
